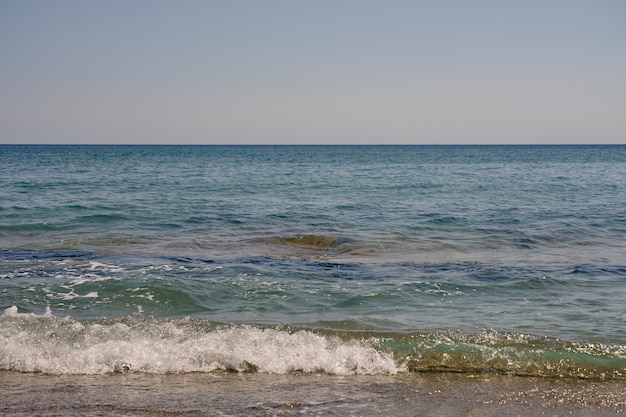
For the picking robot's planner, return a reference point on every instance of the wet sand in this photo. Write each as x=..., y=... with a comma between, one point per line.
x=252, y=394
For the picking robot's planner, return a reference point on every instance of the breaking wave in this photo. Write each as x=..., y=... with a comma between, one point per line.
x=50, y=344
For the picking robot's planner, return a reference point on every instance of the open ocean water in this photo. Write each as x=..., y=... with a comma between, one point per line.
x=364, y=262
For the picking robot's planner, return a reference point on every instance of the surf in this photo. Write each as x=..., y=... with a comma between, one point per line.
x=46, y=343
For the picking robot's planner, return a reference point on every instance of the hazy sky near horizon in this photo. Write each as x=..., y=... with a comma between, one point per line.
x=319, y=71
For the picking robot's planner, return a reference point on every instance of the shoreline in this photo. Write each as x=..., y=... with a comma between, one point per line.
x=250, y=394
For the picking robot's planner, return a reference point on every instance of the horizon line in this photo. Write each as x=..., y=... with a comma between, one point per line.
x=313, y=144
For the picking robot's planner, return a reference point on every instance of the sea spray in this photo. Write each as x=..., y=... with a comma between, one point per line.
x=49, y=344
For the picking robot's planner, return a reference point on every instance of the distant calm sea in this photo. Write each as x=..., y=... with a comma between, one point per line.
x=327, y=259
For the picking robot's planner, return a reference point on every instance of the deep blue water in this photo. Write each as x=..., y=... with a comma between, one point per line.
x=340, y=259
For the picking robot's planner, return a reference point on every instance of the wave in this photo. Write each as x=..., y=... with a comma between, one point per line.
x=50, y=344
x=515, y=354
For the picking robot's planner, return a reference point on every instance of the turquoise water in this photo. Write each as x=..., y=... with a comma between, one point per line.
x=337, y=259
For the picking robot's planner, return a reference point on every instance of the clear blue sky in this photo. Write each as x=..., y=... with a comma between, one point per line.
x=317, y=71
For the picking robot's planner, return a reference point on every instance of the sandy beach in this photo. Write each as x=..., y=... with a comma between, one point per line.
x=252, y=394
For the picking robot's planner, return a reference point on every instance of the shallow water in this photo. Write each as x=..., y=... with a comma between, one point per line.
x=260, y=394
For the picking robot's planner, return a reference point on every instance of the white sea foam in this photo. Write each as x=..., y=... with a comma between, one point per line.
x=91, y=278
x=45, y=343
x=93, y=265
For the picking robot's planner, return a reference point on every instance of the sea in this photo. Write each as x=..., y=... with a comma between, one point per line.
x=227, y=278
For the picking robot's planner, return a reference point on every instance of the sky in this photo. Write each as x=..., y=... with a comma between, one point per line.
x=312, y=72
